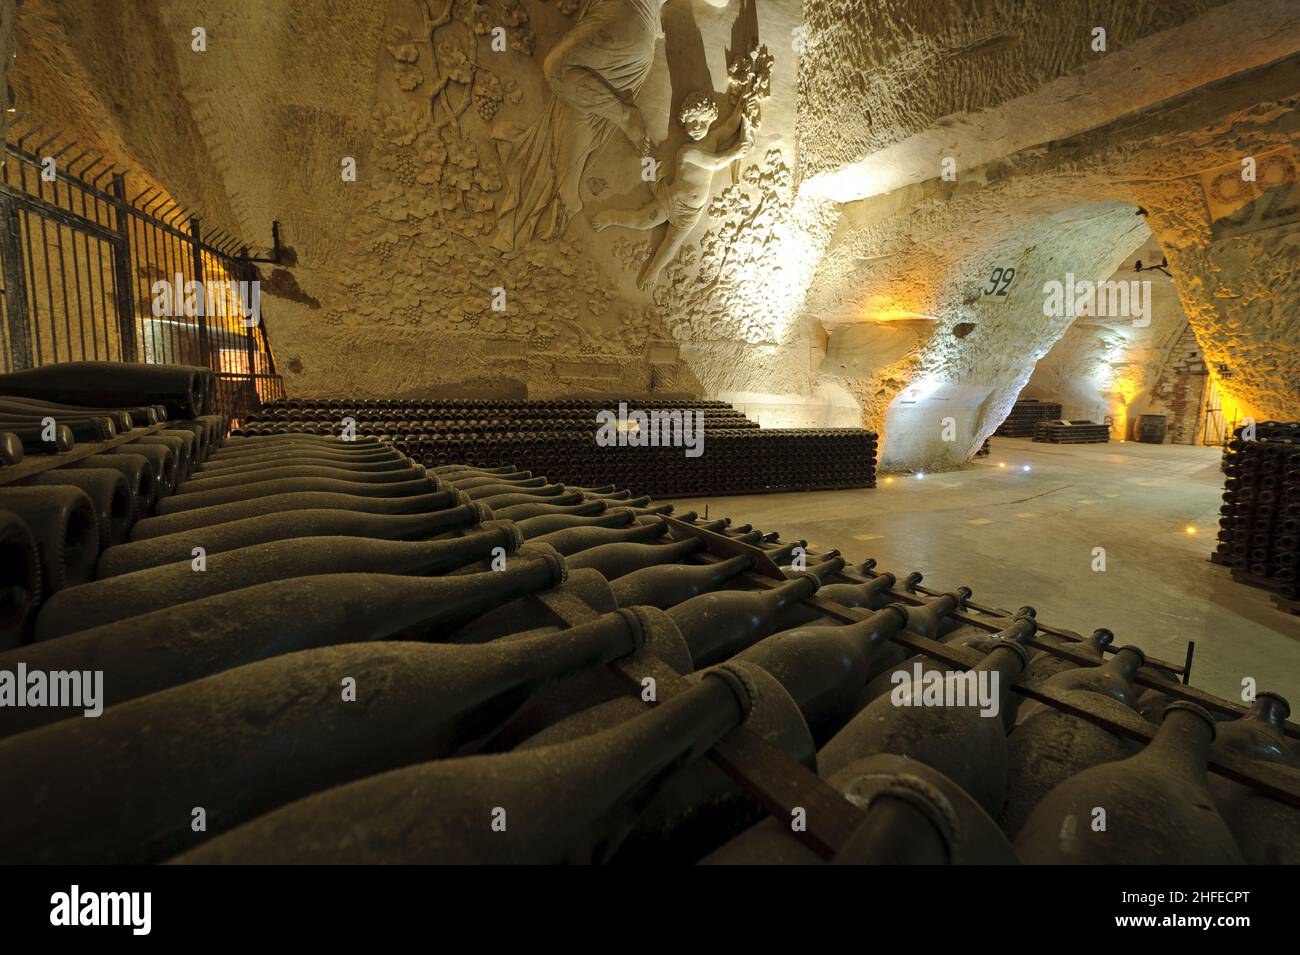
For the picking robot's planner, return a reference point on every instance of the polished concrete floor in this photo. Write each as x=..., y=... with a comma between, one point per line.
x=1017, y=536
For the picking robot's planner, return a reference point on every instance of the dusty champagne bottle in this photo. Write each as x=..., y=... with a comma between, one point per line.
x=20, y=579
x=482, y=491
x=226, y=460
x=135, y=469
x=951, y=723
x=974, y=838
x=137, y=762
x=926, y=620
x=94, y=383
x=873, y=594
x=302, y=500
x=62, y=520
x=199, y=482
x=620, y=559
x=1154, y=808
x=322, y=522
x=534, y=528
x=144, y=591
x=160, y=459
x=11, y=449
x=499, y=808
x=186, y=502
x=108, y=493
x=1044, y=664
x=499, y=502
x=719, y=625
x=1267, y=831
x=825, y=668
x=178, y=644
x=244, y=471
x=699, y=802
x=83, y=428
x=669, y=586
x=522, y=512
x=574, y=540
x=524, y=615
x=36, y=440
x=139, y=416
x=180, y=453
x=1048, y=746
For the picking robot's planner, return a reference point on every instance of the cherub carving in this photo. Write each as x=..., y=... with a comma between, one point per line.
x=681, y=201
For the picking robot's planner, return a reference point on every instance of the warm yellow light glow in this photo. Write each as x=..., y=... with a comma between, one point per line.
x=1191, y=530
x=889, y=480
x=1002, y=464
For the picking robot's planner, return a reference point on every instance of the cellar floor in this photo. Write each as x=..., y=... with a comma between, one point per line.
x=1028, y=537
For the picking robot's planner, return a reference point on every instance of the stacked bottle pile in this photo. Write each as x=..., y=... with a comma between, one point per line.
x=1072, y=432
x=1025, y=416
x=560, y=437
x=60, y=511
x=1259, y=531
x=318, y=651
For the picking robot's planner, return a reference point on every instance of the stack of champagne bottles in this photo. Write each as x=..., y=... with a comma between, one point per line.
x=1072, y=432
x=1259, y=531
x=321, y=651
x=1026, y=414
x=75, y=479
x=559, y=437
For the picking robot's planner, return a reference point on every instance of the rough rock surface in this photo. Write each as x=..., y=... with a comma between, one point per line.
x=838, y=263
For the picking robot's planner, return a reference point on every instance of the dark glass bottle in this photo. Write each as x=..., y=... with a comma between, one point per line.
x=108, y=493
x=186, y=502
x=1049, y=746
x=574, y=540
x=323, y=522
x=952, y=725
x=96, y=383
x=298, y=501
x=1157, y=806
x=534, y=528
x=521, y=512
x=200, y=482
x=20, y=579
x=719, y=625
x=1267, y=830
x=1045, y=664
x=620, y=559
x=413, y=702
x=824, y=668
x=63, y=522
x=135, y=469
x=178, y=644
x=130, y=595
x=669, y=586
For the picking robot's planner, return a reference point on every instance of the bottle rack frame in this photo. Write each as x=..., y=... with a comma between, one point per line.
x=781, y=784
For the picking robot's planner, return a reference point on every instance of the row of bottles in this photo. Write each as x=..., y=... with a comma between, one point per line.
x=325, y=656
x=1259, y=530
x=56, y=523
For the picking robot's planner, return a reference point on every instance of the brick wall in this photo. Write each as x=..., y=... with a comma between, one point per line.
x=1179, y=392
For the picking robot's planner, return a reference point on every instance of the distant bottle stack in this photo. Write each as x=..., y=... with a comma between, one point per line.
x=559, y=436
x=1072, y=432
x=1025, y=416
x=1259, y=530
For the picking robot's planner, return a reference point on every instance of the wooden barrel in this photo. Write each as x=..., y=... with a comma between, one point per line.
x=1151, y=428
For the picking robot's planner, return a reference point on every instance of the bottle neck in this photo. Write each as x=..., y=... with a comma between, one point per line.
x=1124, y=664
x=1183, y=741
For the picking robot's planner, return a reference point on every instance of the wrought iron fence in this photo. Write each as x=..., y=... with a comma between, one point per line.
x=91, y=273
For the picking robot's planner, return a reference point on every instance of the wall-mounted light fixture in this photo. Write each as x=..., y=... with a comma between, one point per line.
x=1162, y=267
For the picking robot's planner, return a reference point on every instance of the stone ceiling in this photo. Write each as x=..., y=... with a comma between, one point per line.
x=835, y=262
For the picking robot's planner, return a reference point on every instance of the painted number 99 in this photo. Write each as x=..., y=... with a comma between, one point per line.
x=1000, y=281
